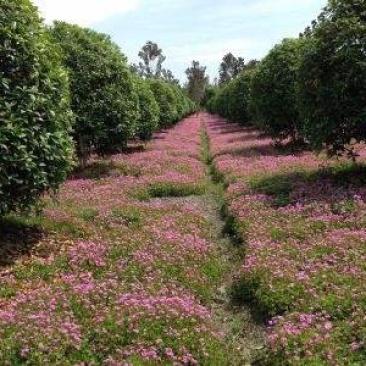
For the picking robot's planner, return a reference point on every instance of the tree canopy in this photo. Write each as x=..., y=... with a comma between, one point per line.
x=274, y=94
x=197, y=81
x=35, y=117
x=102, y=91
x=333, y=77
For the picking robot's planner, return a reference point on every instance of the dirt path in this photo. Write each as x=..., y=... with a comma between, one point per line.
x=244, y=334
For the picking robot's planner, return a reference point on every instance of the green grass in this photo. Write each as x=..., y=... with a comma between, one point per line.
x=88, y=213
x=37, y=270
x=130, y=215
x=168, y=189
x=127, y=170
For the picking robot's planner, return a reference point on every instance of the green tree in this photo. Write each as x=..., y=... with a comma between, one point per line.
x=333, y=77
x=230, y=67
x=197, y=82
x=152, y=60
x=35, y=117
x=210, y=93
x=102, y=90
x=220, y=102
x=239, y=98
x=274, y=91
x=148, y=121
x=151, y=64
x=166, y=100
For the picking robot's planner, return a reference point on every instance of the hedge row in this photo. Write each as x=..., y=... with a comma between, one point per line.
x=35, y=116
x=67, y=89
x=111, y=105
x=232, y=101
x=312, y=88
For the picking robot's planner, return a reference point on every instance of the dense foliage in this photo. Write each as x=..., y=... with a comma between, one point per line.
x=274, y=91
x=165, y=97
x=102, y=90
x=197, y=82
x=333, y=77
x=148, y=121
x=312, y=88
x=232, y=101
x=35, y=118
x=172, y=101
x=239, y=98
x=218, y=102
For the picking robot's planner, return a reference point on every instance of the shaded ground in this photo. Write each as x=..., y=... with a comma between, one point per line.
x=17, y=240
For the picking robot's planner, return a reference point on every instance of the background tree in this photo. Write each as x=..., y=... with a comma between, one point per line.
x=168, y=76
x=152, y=61
x=197, y=82
x=230, y=67
x=333, y=77
x=35, y=117
x=151, y=65
x=252, y=64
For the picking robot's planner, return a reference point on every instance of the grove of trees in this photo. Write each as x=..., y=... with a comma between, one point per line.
x=68, y=91
x=312, y=88
x=103, y=97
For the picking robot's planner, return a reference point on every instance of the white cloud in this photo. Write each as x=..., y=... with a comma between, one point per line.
x=210, y=53
x=83, y=12
x=283, y=6
x=213, y=51
x=271, y=8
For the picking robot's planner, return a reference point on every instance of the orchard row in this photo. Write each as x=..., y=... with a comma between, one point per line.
x=67, y=91
x=311, y=89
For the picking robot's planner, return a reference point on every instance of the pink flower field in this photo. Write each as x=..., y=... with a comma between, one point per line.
x=301, y=220
x=123, y=265
x=122, y=272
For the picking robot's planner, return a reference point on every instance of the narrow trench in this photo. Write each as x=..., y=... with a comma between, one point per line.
x=244, y=334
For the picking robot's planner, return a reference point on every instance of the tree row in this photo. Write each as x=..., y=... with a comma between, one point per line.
x=311, y=89
x=67, y=92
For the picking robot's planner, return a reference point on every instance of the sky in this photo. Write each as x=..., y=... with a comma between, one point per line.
x=186, y=30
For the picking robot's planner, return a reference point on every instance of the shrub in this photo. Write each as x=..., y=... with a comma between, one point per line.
x=333, y=77
x=275, y=91
x=165, y=99
x=35, y=118
x=210, y=93
x=102, y=89
x=220, y=102
x=148, y=121
x=239, y=98
x=179, y=101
